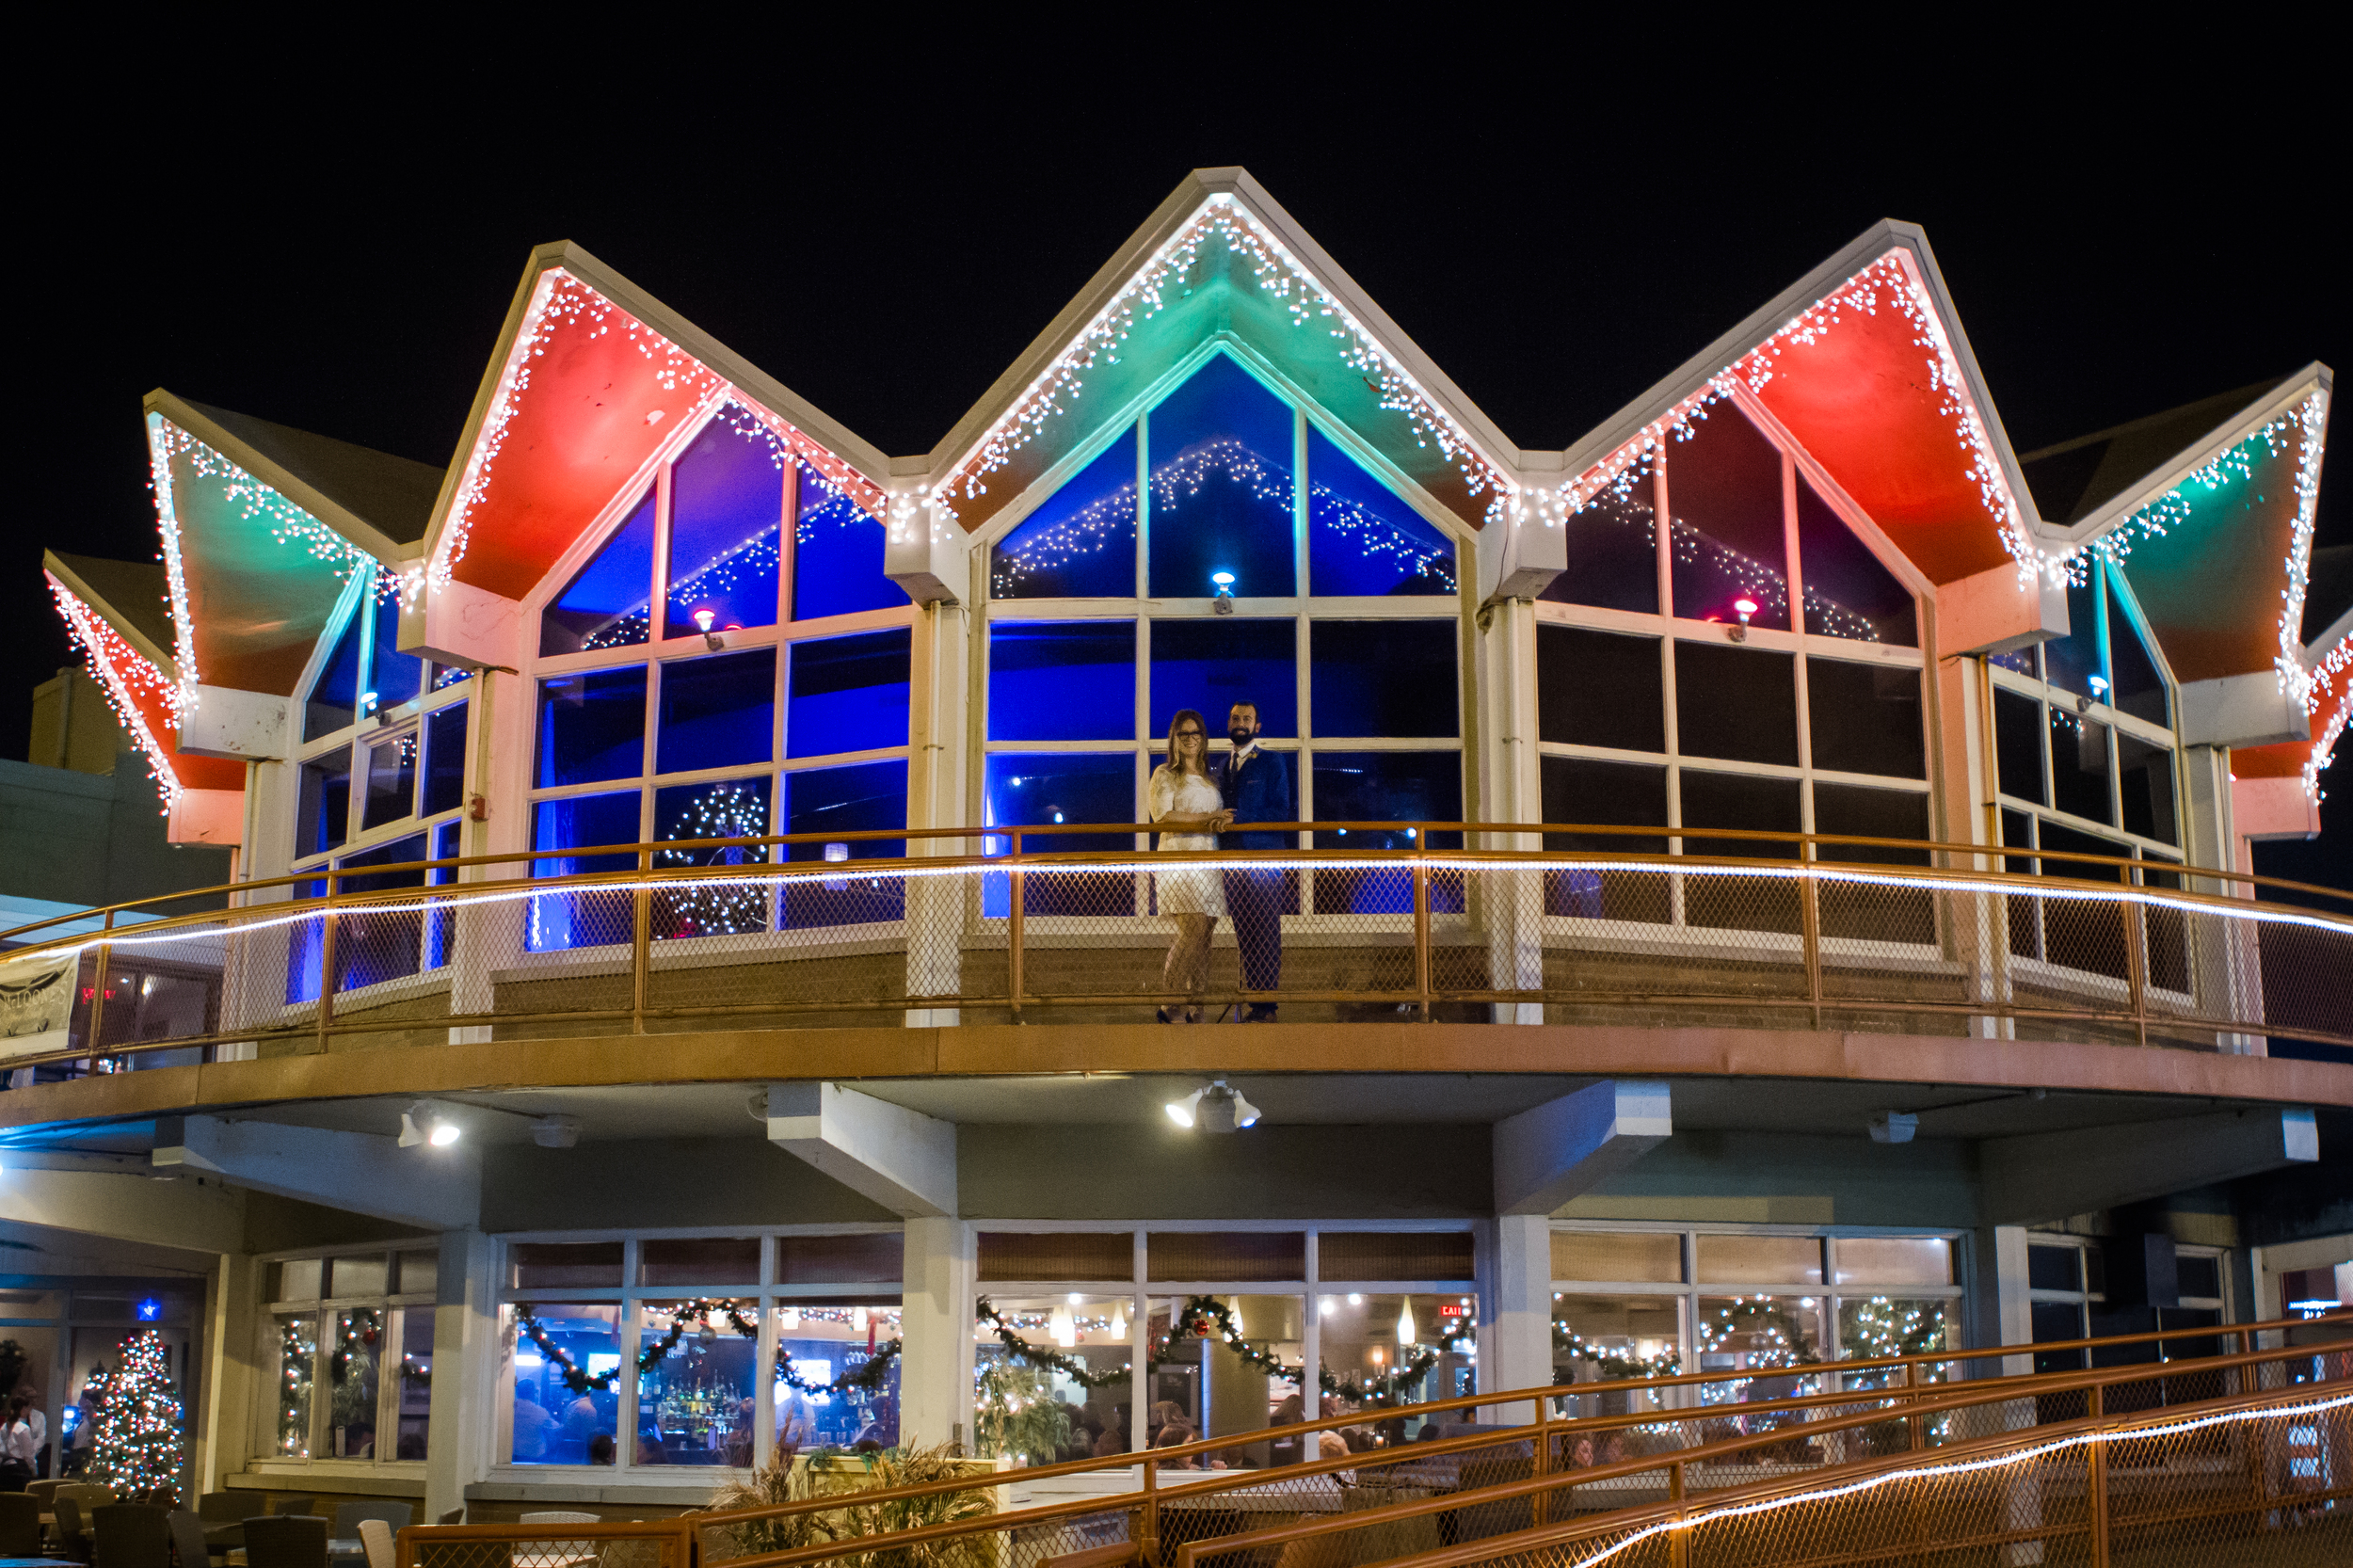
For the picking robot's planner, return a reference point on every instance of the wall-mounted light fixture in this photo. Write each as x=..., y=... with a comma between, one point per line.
x=1224, y=581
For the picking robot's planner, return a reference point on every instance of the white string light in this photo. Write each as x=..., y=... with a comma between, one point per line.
x=124, y=673
x=1168, y=273
x=562, y=303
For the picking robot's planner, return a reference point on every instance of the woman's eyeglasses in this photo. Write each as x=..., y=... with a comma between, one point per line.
x=1190, y=734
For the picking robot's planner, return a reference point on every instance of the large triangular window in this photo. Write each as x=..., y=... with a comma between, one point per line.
x=1848, y=592
x=607, y=603
x=1082, y=542
x=1364, y=541
x=1222, y=496
x=726, y=509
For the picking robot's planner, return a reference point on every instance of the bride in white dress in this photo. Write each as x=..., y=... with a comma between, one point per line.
x=1182, y=795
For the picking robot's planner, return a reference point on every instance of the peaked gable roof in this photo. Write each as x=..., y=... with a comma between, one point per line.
x=261, y=526
x=2073, y=479
x=1220, y=255
x=589, y=378
x=1864, y=363
x=2215, y=533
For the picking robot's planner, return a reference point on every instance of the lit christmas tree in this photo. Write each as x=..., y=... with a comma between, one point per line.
x=136, y=1444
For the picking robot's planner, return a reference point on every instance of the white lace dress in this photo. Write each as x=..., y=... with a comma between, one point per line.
x=1188, y=890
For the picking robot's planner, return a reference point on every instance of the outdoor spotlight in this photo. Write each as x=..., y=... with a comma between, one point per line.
x=1893, y=1127
x=702, y=623
x=1213, y=1108
x=556, y=1132
x=425, y=1123
x=1224, y=601
x=1744, y=608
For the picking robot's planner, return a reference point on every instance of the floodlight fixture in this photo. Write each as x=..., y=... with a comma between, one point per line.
x=1213, y=1108
x=426, y=1123
x=1224, y=581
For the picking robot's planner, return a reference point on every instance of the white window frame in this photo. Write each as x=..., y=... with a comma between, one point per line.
x=394, y=1307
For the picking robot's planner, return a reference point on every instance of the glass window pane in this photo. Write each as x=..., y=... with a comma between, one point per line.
x=334, y=699
x=2054, y=1268
x=1599, y=689
x=1606, y=795
x=393, y=677
x=324, y=818
x=717, y=712
x=444, y=760
x=1727, y=800
x=445, y=675
x=1077, y=1418
x=1866, y=718
x=2071, y=661
x=1191, y=1255
x=1738, y=703
x=695, y=1388
x=720, y=1261
x=392, y=780
x=1597, y=1338
x=1408, y=1255
x=1210, y=665
x=1070, y=681
x=725, y=809
x=1613, y=549
x=1028, y=789
x=413, y=1438
x=837, y=553
x=1865, y=813
x=1222, y=487
x=352, y=1369
x=868, y=797
x=1387, y=786
x=606, y=603
x=2140, y=689
x=1760, y=1260
x=297, y=1359
x=1848, y=592
x=2079, y=766
x=1781, y=1337
x=587, y=916
x=1618, y=1258
x=1877, y=1327
x=2145, y=779
x=847, y=694
x=820, y=1346
x=1894, y=1260
x=1080, y=543
x=418, y=1273
x=2199, y=1277
x=1033, y=1256
x=1724, y=486
x=726, y=509
x=2018, y=745
x=1361, y=539
x=367, y=1274
x=873, y=1258
x=562, y=1265
x=2057, y=1321
x=1412, y=1347
x=299, y=1280
x=1383, y=679
x=568, y=1369
x=592, y=727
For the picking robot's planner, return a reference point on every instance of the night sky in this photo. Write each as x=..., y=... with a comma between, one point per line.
x=338, y=254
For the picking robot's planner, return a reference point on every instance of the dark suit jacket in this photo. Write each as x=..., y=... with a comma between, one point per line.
x=1258, y=791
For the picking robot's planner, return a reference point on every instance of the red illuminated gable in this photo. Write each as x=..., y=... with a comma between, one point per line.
x=590, y=379
x=1865, y=364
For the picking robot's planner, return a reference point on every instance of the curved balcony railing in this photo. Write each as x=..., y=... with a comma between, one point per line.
x=1516, y=923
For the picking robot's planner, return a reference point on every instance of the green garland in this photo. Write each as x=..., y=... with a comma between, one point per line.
x=699, y=1310
x=1018, y=1349
x=1205, y=1315
x=1665, y=1364
x=867, y=1379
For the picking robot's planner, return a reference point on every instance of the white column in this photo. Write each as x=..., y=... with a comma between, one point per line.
x=223, y=1418
x=935, y=798
x=935, y=1365
x=463, y=1412
x=1515, y=1309
x=1510, y=903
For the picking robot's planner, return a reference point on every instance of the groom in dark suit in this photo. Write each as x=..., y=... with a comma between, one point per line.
x=1256, y=786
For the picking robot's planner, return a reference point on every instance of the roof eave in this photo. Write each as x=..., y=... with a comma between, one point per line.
x=121, y=624
x=1194, y=191
x=2254, y=417
x=363, y=534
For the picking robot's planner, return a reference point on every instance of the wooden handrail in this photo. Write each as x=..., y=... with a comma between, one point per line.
x=1154, y=1457
x=1928, y=846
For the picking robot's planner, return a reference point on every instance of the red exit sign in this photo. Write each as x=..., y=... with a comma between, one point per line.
x=1453, y=1309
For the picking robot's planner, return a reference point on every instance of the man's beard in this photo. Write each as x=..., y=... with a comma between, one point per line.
x=1239, y=737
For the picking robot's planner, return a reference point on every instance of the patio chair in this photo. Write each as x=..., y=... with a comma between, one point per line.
x=188, y=1539
x=130, y=1535
x=377, y=1536
x=285, y=1541
x=20, y=1524
x=71, y=1541
x=347, y=1516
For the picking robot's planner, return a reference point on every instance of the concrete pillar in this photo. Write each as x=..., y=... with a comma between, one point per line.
x=1998, y=1312
x=1510, y=903
x=935, y=1365
x=465, y=1371
x=1515, y=1308
x=935, y=798
x=223, y=1419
